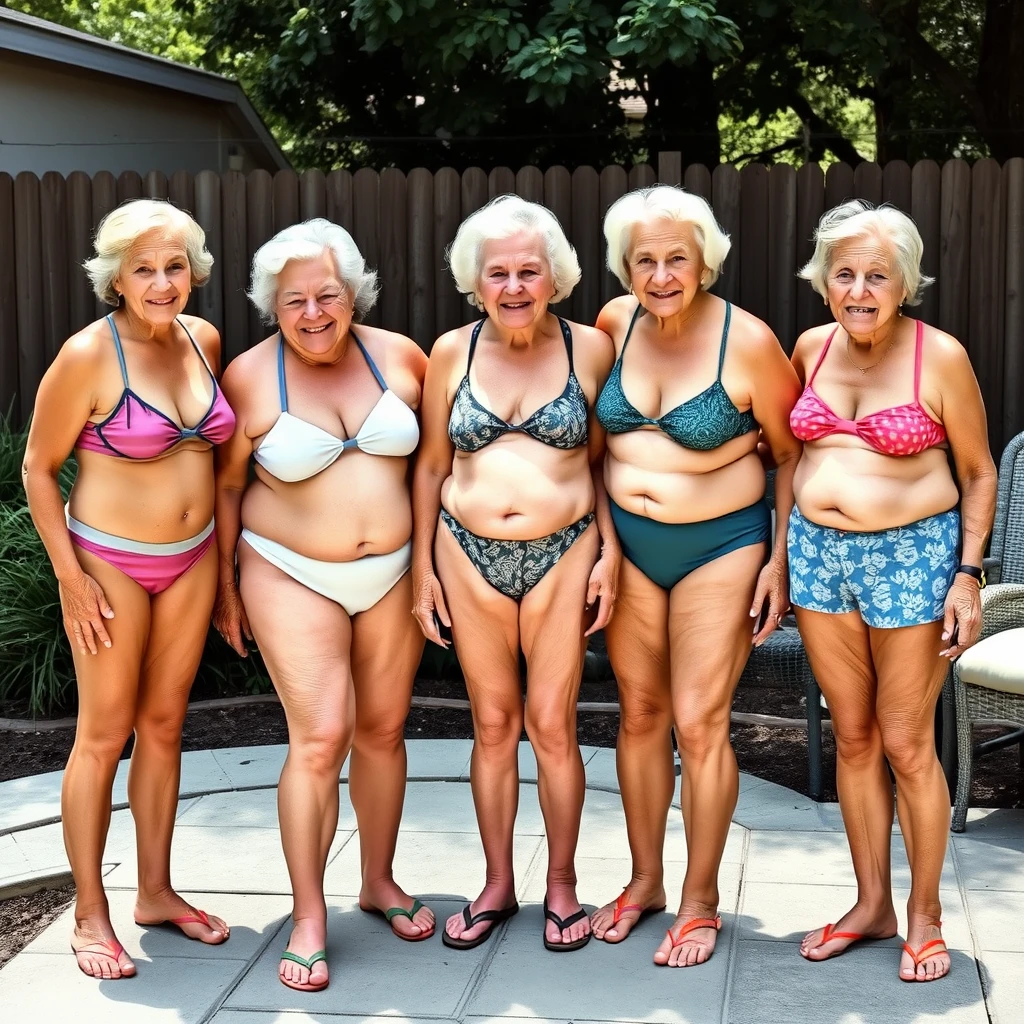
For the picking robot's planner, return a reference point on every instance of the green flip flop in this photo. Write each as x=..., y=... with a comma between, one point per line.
x=393, y=912
x=320, y=954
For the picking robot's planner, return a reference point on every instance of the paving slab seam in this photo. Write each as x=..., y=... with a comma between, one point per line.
x=734, y=935
x=975, y=945
x=476, y=979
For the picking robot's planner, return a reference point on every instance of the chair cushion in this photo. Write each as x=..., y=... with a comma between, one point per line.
x=997, y=662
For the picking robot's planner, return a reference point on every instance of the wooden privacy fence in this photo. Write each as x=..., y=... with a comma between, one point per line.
x=971, y=219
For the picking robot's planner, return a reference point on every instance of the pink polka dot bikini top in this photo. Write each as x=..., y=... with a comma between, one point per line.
x=900, y=430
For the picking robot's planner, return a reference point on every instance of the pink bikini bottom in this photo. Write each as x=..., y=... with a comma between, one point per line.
x=153, y=566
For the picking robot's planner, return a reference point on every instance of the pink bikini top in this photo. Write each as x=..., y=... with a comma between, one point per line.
x=900, y=430
x=137, y=430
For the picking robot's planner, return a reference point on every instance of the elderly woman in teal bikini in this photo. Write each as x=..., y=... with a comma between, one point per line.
x=885, y=558
x=510, y=509
x=327, y=410
x=695, y=381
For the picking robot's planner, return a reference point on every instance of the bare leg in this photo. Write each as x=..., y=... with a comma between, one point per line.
x=709, y=633
x=637, y=639
x=180, y=618
x=910, y=677
x=386, y=648
x=107, y=692
x=485, y=625
x=305, y=640
x=551, y=622
x=839, y=650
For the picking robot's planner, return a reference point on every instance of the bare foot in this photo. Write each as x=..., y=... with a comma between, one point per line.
x=562, y=902
x=308, y=937
x=684, y=944
x=98, y=952
x=860, y=922
x=929, y=960
x=166, y=907
x=614, y=921
x=386, y=895
x=493, y=897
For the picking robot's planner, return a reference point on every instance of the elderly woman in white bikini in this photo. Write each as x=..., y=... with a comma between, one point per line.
x=327, y=410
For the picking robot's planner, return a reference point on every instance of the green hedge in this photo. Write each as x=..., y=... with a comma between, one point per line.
x=36, y=669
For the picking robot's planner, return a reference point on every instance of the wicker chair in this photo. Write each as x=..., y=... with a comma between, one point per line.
x=782, y=661
x=1002, y=603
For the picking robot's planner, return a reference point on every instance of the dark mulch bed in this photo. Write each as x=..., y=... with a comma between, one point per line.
x=779, y=755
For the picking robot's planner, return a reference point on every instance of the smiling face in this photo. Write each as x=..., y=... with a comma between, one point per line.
x=666, y=266
x=515, y=283
x=155, y=278
x=313, y=308
x=864, y=290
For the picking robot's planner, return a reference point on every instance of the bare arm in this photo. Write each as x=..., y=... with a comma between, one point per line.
x=963, y=416
x=433, y=466
x=232, y=476
x=64, y=402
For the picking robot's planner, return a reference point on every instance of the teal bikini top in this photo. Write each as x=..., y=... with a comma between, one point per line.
x=703, y=423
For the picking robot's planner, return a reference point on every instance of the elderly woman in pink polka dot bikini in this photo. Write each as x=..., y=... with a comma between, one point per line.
x=885, y=552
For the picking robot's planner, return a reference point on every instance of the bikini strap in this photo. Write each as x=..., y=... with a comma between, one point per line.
x=369, y=361
x=117, y=348
x=195, y=345
x=282, y=387
x=821, y=358
x=725, y=338
x=477, y=328
x=567, y=338
x=629, y=332
x=918, y=346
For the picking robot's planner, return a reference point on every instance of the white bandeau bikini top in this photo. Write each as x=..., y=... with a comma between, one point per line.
x=295, y=449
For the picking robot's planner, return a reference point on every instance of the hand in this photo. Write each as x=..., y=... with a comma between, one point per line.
x=85, y=607
x=428, y=606
x=229, y=618
x=961, y=625
x=603, y=588
x=773, y=586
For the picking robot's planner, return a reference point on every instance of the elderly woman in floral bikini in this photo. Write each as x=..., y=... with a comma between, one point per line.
x=885, y=549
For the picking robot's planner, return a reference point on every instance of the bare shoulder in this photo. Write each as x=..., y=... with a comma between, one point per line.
x=751, y=335
x=86, y=352
x=615, y=316
x=811, y=342
x=944, y=351
x=451, y=345
x=592, y=346
x=246, y=365
x=206, y=335
x=396, y=346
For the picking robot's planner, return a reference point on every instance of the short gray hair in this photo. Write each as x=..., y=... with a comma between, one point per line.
x=857, y=218
x=122, y=228
x=671, y=203
x=308, y=241
x=501, y=218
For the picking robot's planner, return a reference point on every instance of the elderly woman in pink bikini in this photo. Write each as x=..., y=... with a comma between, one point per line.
x=327, y=410
x=135, y=396
x=885, y=550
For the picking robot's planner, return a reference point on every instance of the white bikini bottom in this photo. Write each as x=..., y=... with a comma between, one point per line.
x=356, y=585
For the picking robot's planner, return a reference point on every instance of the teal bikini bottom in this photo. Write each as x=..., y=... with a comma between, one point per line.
x=668, y=552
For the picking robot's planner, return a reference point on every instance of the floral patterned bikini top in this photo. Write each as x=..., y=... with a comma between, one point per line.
x=702, y=423
x=898, y=430
x=561, y=423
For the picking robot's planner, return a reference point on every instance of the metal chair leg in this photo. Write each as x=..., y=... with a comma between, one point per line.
x=965, y=750
x=815, y=774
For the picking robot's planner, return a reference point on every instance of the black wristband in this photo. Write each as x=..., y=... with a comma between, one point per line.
x=973, y=570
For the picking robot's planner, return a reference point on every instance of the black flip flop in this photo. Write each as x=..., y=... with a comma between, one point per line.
x=496, y=916
x=564, y=947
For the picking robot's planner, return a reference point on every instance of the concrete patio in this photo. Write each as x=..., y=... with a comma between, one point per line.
x=786, y=869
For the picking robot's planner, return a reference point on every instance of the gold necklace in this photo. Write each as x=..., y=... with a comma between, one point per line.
x=864, y=369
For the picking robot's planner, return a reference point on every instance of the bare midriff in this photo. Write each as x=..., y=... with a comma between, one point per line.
x=843, y=484
x=157, y=501
x=359, y=505
x=518, y=488
x=649, y=474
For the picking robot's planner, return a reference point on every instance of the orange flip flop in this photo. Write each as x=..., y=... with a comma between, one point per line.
x=112, y=950
x=691, y=926
x=199, y=917
x=828, y=933
x=920, y=955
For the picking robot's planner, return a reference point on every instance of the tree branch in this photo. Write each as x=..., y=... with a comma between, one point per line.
x=842, y=147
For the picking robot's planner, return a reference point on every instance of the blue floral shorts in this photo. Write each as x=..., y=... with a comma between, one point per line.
x=894, y=578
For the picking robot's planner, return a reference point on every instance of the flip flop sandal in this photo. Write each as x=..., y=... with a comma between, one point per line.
x=394, y=912
x=112, y=950
x=622, y=907
x=319, y=955
x=828, y=933
x=691, y=926
x=564, y=947
x=919, y=956
x=199, y=917
x=471, y=919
